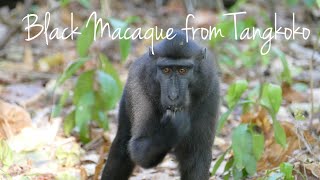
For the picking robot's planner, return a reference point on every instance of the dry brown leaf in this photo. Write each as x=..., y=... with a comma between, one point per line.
x=66, y=17
x=104, y=149
x=290, y=95
x=312, y=169
x=83, y=174
x=13, y=119
x=270, y=159
x=260, y=119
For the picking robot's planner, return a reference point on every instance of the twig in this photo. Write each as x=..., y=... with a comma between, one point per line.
x=306, y=144
x=27, y=75
x=315, y=47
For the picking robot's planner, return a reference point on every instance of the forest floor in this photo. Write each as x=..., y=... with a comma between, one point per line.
x=38, y=147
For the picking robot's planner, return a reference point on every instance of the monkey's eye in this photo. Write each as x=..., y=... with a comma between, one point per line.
x=166, y=70
x=182, y=71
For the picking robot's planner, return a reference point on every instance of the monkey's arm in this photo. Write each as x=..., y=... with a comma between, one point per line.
x=119, y=165
x=149, y=150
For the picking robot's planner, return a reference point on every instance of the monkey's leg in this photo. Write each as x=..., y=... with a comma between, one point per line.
x=194, y=152
x=148, y=151
x=194, y=158
x=119, y=166
x=149, y=147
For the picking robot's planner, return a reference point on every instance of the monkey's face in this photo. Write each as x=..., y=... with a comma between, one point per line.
x=175, y=77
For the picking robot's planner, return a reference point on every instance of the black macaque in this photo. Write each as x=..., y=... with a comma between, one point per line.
x=170, y=104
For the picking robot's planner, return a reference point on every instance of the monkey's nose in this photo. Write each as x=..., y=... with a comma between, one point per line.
x=173, y=96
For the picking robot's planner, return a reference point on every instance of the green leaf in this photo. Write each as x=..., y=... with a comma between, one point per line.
x=286, y=169
x=132, y=19
x=242, y=146
x=235, y=91
x=309, y=3
x=69, y=123
x=108, y=88
x=84, y=85
x=286, y=73
x=279, y=133
x=84, y=133
x=116, y=23
x=124, y=44
x=225, y=59
x=64, y=3
x=83, y=109
x=85, y=39
x=271, y=98
x=218, y=163
x=108, y=68
x=125, y=47
x=250, y=164
x=229, y=164
x=226, y=26
x=292, y=2
x=237, y=174
x=258, y=144
x=85, y=3
x=227, y=176
x=83, y=114
x=318, y=2
x=6, y=155
x=222, y=120
x=71, y=70
x=101, y=118
x=57, y=108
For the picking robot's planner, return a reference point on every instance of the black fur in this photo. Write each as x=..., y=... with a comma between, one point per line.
x=162, y=112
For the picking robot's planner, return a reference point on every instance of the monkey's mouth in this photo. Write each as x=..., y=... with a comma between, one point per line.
x=175, y=109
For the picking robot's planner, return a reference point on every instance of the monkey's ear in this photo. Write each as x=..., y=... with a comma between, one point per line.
x=202, y=54
x=152, y=54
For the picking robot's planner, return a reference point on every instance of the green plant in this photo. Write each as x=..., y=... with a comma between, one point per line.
x=6, y=155
x=96, y=90
x=6, y=159
x=307, y=3
x=284, y=171
x=84, y=3
x=124, y=44
x=247, y=143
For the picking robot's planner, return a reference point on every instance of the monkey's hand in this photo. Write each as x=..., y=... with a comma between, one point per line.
x=180, y=120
